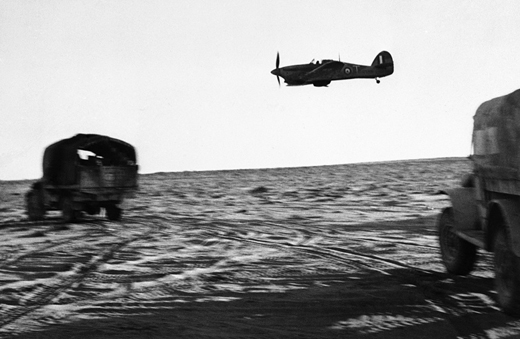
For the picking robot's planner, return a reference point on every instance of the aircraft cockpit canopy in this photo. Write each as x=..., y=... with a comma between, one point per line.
x=320, y=62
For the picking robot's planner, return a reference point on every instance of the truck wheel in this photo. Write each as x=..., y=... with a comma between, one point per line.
x=507, y=274
x=35, y=207
x=69, y=214
x=92, y=209
x=114, y=213
x=458, y=255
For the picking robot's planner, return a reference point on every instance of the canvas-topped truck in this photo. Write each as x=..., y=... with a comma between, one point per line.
x=485, y=210
x=85, y=173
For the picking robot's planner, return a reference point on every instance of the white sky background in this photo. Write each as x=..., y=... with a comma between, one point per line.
x=188, y=83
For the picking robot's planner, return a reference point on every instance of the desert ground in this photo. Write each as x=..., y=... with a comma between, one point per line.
x=346, y=251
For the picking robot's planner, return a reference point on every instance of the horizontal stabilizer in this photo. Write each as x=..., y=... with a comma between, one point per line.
x=384, y=65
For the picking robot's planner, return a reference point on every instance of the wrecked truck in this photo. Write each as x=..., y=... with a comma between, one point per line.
x=485, y=209
x=85, y=173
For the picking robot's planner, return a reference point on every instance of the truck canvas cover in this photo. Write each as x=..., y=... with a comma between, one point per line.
x=60, y=160
x=496, y=143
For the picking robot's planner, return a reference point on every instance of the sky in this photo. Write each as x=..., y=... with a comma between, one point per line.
x=188, y=83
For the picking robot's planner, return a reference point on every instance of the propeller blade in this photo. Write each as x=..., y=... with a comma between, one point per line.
x=277, y=67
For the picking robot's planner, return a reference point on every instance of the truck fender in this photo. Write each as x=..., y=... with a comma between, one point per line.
x=464, y=206
x=509, y=211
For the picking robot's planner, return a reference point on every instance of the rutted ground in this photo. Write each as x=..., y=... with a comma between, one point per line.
x=297, y=253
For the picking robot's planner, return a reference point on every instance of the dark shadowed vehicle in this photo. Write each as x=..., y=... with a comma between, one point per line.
x=485, y=211
x=84, y=173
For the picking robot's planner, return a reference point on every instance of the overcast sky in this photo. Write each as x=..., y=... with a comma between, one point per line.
x=188, y=83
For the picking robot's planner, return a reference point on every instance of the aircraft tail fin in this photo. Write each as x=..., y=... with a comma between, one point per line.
x=383, y=60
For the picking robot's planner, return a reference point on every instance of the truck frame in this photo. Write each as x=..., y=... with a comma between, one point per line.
x=85, y=173
x=485, y=209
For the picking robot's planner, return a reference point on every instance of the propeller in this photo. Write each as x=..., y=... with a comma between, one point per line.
x=277, y=66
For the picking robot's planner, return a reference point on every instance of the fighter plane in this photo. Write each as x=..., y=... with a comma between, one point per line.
x=321, y=74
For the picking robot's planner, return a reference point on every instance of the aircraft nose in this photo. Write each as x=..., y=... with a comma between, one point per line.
x=275, y=71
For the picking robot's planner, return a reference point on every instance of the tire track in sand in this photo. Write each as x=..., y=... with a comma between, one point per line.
x=446, y=300
x=43, y=294
x=341, y=254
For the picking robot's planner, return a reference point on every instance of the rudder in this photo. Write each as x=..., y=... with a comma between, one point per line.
x=383, y=60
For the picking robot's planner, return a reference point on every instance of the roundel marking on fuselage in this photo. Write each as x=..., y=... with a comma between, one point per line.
x=347, y=70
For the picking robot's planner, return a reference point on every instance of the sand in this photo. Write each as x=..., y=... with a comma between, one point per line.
x=347, y=251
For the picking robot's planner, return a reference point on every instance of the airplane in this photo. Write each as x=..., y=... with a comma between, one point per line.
x=321, y=74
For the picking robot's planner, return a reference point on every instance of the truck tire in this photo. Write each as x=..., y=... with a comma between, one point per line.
x=34, y=205
x=114, y=213
x=92, y=209
x=507, y=274
x=69, y=214
x=457, y=254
